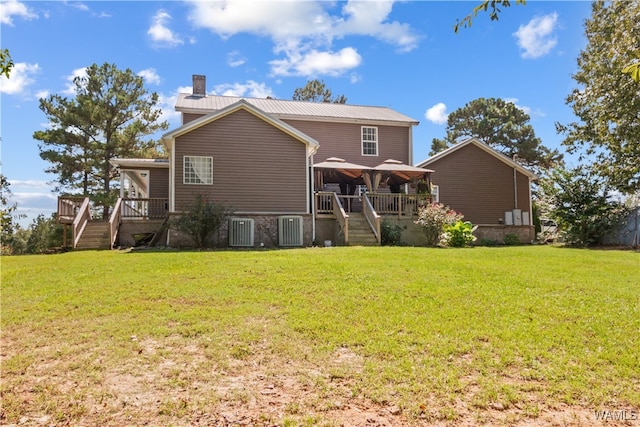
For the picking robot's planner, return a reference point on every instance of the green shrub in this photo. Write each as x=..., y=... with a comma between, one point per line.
x=458, y=235
x=391, y=233
x=488, y=242
x=201, y=220
x=580, y=202
x=511, y=239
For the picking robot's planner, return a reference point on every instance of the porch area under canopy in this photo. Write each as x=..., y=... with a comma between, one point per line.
x=335, y=170
x=395, y=173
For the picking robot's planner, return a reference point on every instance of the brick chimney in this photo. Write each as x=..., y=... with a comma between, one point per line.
x=199, y=85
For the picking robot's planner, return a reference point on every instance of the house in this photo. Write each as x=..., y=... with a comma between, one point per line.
x=488, y=188
x=257, y=156
x=301, y=173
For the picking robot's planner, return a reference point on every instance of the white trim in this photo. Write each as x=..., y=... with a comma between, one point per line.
x=172, y=176
x=311, y=197
x=410, y=148
x=362, y=141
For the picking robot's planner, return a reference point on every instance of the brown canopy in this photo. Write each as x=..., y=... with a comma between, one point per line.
x=338, y=171
x=396, y=172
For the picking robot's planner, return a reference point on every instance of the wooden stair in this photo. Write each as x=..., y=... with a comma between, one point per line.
x=360, y=233
x=95, y=236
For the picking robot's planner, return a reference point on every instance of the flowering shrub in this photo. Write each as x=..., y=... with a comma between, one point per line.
x=433, y=218
x=458, y=235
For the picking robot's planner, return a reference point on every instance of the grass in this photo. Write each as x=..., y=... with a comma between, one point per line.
x=161, y=337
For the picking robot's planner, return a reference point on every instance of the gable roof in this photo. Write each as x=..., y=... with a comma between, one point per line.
x=301, y=110
x=312, y=144
x=483, y=146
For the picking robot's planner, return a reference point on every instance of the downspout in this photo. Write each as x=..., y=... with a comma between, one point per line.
x=172, y=159
x=313, y=202
x=515, y=184
x=410, y=148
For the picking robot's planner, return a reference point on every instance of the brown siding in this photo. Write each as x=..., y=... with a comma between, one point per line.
x=256, y=167
x=159, y=183
x=344, y=140
x=477, y=184
x=189, y=117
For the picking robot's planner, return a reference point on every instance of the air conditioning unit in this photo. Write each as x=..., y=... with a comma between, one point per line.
x=241, y=232
x=290, y=231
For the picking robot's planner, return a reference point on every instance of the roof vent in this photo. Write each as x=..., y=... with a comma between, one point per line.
x=199, y=85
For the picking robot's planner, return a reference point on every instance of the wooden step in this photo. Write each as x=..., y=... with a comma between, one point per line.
x=95, y=236
x=360, y=233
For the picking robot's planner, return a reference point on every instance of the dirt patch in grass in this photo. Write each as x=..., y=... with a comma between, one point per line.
x=175, y=382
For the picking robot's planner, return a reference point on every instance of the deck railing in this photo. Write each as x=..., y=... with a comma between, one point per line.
x=80, y=222
x=372, y=216
x=68, y=207
x=398, y=204
x=324, y=202
x=138, y=208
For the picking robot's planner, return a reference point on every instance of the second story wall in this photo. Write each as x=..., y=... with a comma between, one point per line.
x=344, y=140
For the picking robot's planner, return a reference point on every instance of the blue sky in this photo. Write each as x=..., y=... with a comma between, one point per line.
x=403, y=55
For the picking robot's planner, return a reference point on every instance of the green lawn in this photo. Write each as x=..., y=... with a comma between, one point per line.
x=312, y=336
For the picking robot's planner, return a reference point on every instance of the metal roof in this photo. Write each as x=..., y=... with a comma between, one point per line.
x=280, y=108
x=145, y=163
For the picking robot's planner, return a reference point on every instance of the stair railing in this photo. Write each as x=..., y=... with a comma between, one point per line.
x=80, y=222
x=341, y=217
x=372, y=217
x=114, y=222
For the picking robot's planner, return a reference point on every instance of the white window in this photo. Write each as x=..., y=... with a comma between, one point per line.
x=369, y=141
x=198, y=170
x=435, y=193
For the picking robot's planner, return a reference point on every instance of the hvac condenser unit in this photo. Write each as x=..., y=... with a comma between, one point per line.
x=241, y=232
x=290, y=231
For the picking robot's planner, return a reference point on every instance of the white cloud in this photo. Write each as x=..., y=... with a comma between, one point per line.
x=536, y=39
x=437, y=114
x=150, y=76
x=11, y=8
x=42, y=94
x=78, y=5
x=250, y=89
x=304, y=30
x=531, y=113
x=235, y=59
x=33, y=197
x=314, y=63
x=160, y=33
x=71, y=87
x=85, y=8
x=368, y=18
x=20, y=78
